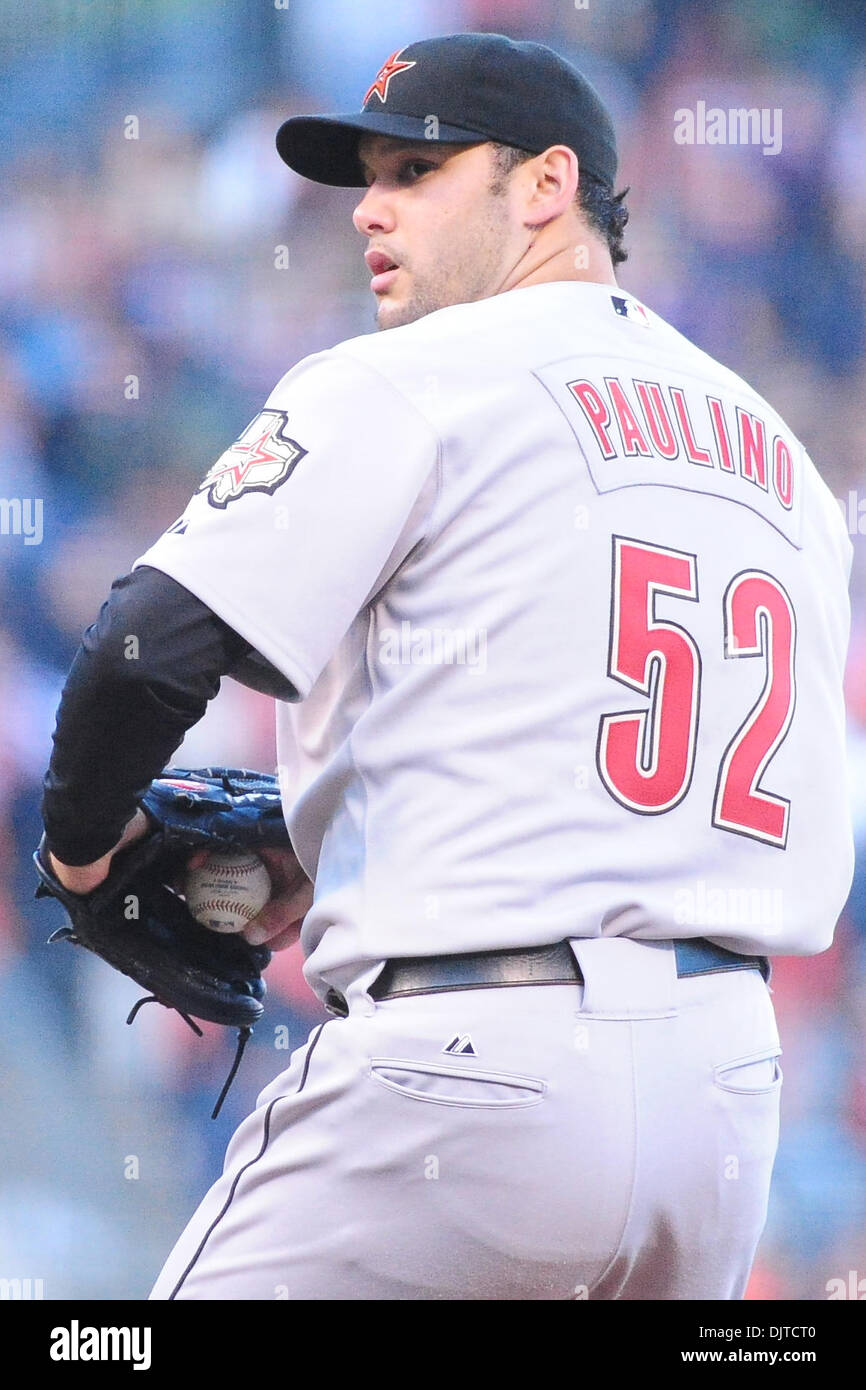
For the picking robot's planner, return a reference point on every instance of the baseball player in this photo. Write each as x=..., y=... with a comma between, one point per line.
x=554, y=607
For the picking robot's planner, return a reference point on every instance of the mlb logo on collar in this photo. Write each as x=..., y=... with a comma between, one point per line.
x=629, y=308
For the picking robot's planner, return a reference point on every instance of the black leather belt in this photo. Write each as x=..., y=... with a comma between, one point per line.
x=531, y=965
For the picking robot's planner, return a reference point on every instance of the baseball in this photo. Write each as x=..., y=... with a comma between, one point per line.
x=228, y=891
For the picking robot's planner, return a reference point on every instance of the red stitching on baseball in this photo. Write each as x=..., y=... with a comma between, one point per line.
x=235, y=870
x=225, y=905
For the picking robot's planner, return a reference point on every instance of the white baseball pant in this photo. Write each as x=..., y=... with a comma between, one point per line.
x=611, y=1140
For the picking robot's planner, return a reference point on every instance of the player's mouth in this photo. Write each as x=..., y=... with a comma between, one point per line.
x=384, y=270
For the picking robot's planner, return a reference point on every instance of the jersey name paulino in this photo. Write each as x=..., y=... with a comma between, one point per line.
x=565, y=604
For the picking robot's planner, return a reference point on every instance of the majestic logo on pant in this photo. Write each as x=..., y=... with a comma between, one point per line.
x=260, y=461
x=461, y=1044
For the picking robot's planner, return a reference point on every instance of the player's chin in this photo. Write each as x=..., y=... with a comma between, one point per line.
x=387, y=311
x=394, y=312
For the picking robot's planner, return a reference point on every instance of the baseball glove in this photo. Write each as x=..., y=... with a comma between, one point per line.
x=137, y=921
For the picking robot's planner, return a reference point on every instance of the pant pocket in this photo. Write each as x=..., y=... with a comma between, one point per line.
x=438, y=1084
x=757, y=1074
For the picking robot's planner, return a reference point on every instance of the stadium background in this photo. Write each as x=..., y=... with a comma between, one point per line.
x=158, y=258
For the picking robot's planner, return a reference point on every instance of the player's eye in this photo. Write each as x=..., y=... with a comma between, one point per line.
x=414, y=169
x=408, y=171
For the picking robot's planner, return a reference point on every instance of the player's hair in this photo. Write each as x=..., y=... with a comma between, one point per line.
x=604, y=210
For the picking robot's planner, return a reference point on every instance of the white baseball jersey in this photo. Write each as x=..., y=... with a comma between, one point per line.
x=564, y=603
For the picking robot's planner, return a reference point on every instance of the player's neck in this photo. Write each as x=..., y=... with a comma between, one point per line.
x=587, y=259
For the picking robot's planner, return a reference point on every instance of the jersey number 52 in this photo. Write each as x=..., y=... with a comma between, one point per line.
x=646, y=757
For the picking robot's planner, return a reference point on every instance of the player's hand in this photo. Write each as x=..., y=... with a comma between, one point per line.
x=83, y=878
x=279, y=923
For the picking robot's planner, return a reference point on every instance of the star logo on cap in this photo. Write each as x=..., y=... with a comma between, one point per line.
x=384, y=76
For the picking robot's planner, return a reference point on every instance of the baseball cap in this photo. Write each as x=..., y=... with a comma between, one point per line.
x=463, y=89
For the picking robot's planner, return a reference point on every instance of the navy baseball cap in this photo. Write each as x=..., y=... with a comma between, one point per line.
x=462, y=89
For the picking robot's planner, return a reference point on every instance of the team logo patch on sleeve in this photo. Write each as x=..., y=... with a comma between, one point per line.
x=259, y=461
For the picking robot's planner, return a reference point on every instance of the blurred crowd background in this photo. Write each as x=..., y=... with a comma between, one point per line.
x=160, y=269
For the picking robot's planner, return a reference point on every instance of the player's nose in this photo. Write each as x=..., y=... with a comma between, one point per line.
x=373, y=213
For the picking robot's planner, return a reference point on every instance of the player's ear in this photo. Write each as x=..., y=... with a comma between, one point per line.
x=552, y=183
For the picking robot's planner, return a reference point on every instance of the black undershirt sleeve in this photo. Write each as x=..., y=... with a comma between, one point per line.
x=142, y=677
